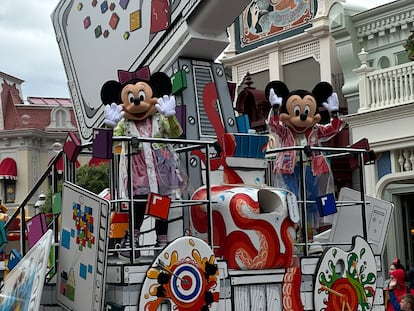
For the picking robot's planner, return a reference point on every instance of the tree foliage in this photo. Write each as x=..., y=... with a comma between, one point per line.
x=93, y=178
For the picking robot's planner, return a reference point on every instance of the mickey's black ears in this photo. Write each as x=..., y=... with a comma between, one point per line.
x=322, y=91
x=111, y=92
x=279, y=87
x=161, y=84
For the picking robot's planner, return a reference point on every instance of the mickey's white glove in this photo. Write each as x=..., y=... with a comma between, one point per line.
x=113, y=114
x=332, y=103
x=166, y=105
x=274, y=100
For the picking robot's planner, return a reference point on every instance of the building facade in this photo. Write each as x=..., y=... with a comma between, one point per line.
x=31, y=133
x=360, y=51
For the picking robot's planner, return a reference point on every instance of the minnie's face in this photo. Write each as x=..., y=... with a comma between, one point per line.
x=301, y=113
x=137, y=101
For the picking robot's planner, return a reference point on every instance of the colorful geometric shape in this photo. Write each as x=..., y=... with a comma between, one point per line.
x=82, y=271
x=106, y=33
x=65, y=239
x=326, y=204
x=113, y=22
x=86, y=22
x=98, y=31
x=112, y=6
x=179, y=81
x=104, y=7
x=123, y=4
x=126, y=35
x=158, y=206
x=3, y=236
x=36, y=227
x=14, y=258
x=135, y=20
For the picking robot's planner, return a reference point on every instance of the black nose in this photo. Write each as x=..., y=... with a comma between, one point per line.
x=303, y=116
x=136, y=101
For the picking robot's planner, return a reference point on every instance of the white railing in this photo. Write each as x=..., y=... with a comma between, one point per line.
x=386, y=87
x=405, y=159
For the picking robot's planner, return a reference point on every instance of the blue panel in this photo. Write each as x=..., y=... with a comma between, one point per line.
x=383, y=165
x=65, y=239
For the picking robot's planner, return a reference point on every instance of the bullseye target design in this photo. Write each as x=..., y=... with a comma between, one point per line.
x=343, y=296
x=185, y=273
x=187, y=283
x=346, y=280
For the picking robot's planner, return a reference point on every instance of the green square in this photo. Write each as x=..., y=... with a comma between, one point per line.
x=179, y=81
x=57, y=203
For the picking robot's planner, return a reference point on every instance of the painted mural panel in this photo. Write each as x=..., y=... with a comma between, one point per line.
x=264, y=20
x=23, y=285
x=82, y=249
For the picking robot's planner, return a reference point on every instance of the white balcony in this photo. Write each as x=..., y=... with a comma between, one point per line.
x=385, y=88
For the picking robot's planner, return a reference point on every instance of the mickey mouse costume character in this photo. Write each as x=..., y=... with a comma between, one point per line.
x=139, y=105
x=294, y=118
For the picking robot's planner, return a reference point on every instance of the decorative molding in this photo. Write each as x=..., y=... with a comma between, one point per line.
x=252, y=66
x=297, y=53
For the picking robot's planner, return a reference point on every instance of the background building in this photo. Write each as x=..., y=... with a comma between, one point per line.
x=360, y=51
x=31, y=133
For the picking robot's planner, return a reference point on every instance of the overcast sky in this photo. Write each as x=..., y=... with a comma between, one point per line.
x=28, y=47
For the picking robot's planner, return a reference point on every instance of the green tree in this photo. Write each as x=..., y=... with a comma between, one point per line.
x=93, y=178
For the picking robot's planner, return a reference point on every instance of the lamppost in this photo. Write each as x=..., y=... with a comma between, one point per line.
x=40, y=202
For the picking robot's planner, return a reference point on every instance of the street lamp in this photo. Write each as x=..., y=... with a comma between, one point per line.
x=40, y=202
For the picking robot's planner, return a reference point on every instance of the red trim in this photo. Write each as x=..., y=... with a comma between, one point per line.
x=60, y=164
x=8, y=169
x=97, y=161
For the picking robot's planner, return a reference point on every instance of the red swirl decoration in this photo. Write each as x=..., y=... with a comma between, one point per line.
x=342, y=296
x=238, y=240
x=237, y=246
x=291, y=290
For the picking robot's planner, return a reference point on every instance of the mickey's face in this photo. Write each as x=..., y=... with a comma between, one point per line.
x=137, y=101
x=301, y=113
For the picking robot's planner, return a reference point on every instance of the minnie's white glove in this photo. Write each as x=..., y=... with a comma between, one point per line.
x=166, y=105
x=274, y=100
x=113, y=114
x=332, y=103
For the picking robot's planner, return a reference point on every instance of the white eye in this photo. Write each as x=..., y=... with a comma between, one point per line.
x=141, y=95
x=296, y=110
x=307, y=110
x=131, y=97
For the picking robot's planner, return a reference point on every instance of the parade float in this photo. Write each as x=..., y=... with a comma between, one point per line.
x=236, y=239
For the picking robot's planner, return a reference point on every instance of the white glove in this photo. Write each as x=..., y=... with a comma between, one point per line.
x=274, y=100
x=113, y=114
x=166, y=105
x=332, y=103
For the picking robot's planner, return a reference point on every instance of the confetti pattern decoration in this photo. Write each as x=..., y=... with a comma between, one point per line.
x=185, y=273
x=105, y=18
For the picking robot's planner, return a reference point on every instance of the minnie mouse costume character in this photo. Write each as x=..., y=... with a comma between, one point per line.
x=294, y=118
x=139, y=105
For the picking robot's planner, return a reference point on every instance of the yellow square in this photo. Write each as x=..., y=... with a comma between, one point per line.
x=135, y=20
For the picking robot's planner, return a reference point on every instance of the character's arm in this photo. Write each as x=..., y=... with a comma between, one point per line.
x=393, y=300
x=337, y=124
x=332, y=105
x=273, y=117
x=166, y=105
x=113, y=114
x=170, y=126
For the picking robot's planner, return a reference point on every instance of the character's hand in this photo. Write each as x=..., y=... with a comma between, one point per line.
x=393, y=283
x=332, y=103
x=274, y=100
x=113, y=114
x=166, y=105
